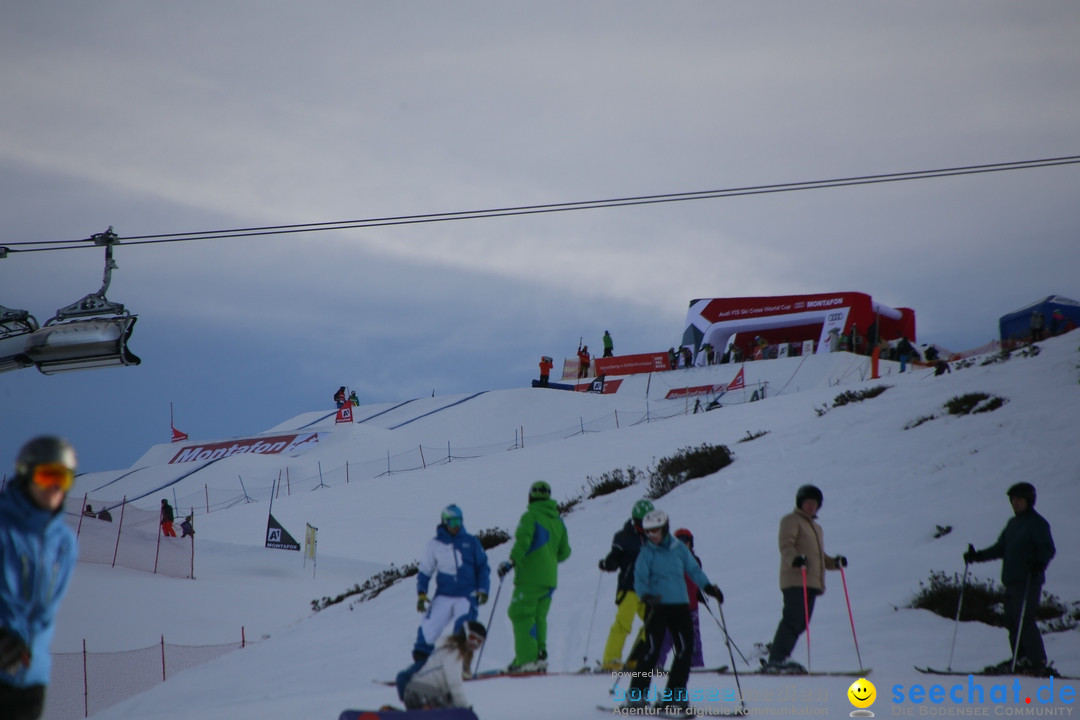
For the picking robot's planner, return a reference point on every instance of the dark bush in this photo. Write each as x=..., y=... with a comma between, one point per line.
x=973, y=403
x=753, y=436
x=983, y=602
x=492, y=537
x=851, y=396
x=918, y=422
x=609, y=482
x=687, y=464
x=370, y=587
x=567, y=506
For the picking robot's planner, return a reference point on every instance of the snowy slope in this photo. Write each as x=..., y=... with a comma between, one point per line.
x=885, y=490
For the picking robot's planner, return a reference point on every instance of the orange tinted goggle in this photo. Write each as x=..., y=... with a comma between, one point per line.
x=54, y=476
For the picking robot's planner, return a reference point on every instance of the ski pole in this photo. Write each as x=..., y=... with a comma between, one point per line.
x=726, y=636
x=490, y=618
x=734, y=670
x=959, y=604
x=588, y=635
x=1020, y=623
x=806, y=615
x=850, y=617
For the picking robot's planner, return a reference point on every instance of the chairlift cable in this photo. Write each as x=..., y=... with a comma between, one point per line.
x=521, y=210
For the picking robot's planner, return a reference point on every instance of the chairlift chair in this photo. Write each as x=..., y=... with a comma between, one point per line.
x=82, y=336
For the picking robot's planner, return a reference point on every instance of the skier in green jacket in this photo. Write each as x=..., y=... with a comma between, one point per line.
x=540, y=544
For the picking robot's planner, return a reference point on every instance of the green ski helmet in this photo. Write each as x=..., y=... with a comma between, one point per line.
x=641, y=508
x=540, y=490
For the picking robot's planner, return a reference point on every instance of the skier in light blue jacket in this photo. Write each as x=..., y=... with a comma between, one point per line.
x=660, y=581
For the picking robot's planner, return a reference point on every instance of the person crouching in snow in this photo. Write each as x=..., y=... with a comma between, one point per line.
x=439, y=681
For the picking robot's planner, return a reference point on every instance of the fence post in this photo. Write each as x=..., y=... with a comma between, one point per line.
x=162, y=658
x=207, y=491
x=193, y=544
x=243, y=638
x=119, y=529
x=157, y=549
x=85, y=683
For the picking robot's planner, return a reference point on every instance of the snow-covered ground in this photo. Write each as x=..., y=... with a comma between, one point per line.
x=886, y=489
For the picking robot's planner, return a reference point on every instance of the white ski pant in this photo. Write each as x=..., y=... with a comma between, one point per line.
x=444, y=610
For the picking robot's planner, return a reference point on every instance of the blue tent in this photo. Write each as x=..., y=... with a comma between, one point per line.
x=1017, y=324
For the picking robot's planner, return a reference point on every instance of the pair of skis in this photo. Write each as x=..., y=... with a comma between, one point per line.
x=983, y=673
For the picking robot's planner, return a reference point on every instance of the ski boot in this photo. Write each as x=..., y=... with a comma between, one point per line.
x=782, y=667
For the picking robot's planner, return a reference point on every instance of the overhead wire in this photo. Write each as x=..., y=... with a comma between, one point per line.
x=521, y=210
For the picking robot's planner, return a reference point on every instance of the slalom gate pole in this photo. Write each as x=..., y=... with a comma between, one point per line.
x=726, y=636
x=734, y=670
x=1020, y=623
x=588, y=635
x=490, y=618
x=850, y=617
x=959, y=605
x=806, y=614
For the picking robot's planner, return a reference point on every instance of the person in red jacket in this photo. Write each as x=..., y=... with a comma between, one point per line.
x=583, y=362
x=545, y=370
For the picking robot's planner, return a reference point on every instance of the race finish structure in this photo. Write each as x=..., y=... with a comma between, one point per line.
x=794, y=319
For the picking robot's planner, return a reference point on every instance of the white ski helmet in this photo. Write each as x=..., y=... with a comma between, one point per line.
x=655, y=519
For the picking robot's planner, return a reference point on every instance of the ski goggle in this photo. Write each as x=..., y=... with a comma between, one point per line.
x=452, y=522
x=655, y=531
x=53, y=476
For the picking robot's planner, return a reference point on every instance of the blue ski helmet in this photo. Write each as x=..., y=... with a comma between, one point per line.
x=451, y=516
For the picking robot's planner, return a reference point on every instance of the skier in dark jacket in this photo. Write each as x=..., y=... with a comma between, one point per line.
x=37, y=556
x=167, y=518
x=625, y=547
x=1025, y=548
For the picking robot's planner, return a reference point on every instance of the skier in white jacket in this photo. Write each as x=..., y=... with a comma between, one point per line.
x=440, y=682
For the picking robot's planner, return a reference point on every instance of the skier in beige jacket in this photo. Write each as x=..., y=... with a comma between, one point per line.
x=802, y=547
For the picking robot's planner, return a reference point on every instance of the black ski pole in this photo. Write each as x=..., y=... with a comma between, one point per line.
x=734, y=670
x=959, y=604
x=490, y=618
x=726, y=637
x=1020, y=623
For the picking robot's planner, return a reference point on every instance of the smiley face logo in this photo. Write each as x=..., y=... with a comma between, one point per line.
x=862, y=693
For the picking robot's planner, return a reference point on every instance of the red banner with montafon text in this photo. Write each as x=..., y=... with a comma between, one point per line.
x=277, y=445
x=632, y=364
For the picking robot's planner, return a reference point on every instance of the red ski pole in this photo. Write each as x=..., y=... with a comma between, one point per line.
x=806, y=614
x=850, y=616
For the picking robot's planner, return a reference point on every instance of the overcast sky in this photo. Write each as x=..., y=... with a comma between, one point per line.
x=167, y=118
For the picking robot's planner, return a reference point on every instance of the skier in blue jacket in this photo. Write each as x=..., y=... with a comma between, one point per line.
x=660, y=581
x=459, y=565
x=37, y=557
